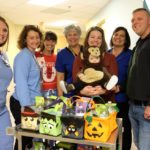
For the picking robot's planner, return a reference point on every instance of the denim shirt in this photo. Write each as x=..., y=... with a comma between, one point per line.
x=5, y=78
x=26, y=78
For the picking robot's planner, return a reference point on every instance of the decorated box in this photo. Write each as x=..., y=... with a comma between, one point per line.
x=29, y=120
x=50, y=122
x=72, y=125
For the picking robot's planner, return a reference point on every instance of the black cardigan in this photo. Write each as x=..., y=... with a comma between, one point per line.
x=138, y=87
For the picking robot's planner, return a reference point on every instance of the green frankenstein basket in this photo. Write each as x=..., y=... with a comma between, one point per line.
x=50, y=122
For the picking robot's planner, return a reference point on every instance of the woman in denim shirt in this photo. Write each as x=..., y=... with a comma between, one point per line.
x=26, y=74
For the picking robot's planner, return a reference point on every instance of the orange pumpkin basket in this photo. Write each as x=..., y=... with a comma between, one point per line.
x=99, y=129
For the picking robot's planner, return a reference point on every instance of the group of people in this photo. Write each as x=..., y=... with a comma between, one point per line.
x=40, y=73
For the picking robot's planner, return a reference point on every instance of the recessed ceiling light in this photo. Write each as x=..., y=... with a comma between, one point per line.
x=62, y=23
x=45, y=2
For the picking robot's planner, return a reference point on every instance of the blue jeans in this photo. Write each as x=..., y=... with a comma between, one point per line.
x=140, y=126
x=50, y=92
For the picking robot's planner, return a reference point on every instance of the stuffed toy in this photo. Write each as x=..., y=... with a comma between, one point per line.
x=93, y=73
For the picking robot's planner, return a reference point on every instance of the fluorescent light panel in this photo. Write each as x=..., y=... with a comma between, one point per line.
x=45, y=2
x=61, y=23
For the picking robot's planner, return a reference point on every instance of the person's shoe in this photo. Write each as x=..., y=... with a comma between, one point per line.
x=112, y=82
x=66, y=88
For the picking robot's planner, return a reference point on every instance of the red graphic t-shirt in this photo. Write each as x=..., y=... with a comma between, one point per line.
x=48, y=71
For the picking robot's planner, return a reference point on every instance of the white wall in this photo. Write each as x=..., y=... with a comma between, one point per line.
x=117, y=13
x=13, y=36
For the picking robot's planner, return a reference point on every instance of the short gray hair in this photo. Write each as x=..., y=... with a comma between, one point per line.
x=72, y=27
x=141, y=9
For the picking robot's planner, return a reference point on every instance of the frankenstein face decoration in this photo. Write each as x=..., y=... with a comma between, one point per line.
x=50, y=124
x=29, y=120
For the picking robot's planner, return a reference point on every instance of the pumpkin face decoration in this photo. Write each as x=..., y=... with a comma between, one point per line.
x=50, y=124
x=97, y=129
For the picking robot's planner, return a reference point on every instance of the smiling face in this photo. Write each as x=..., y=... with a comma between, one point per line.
x=141, y=23
x=118, y=38
x=72, y=38
x=33, y=40
x=3, y=33
x=28, y=122
x=95, y=39
x=50, y=126
x=49, y=45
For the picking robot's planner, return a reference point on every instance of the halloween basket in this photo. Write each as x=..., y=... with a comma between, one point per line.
x=99, y=127
x=50, y=122
x=73, y=118
x=80, y=104
x=41, y=103
x=29, y=119
x=72, y=125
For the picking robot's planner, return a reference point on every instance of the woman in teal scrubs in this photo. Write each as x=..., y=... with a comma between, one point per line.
x=6, y=141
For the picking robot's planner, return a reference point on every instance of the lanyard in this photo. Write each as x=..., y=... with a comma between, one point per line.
x=4, y=59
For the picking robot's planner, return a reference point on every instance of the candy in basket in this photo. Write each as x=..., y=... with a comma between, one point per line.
x=100, y=123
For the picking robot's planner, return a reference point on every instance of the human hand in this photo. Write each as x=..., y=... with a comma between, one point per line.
x=87, y=91
x=116, y=89
x=99, y=90
x=92, y=91
x=147, y=112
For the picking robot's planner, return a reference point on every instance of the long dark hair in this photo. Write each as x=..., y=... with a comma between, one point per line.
x=49, y=35
x=103, y=46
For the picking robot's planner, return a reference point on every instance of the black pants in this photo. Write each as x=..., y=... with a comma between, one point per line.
x=16, y=112
x=127, y=136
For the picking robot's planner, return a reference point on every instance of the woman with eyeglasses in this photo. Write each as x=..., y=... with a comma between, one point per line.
x=6, y=141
